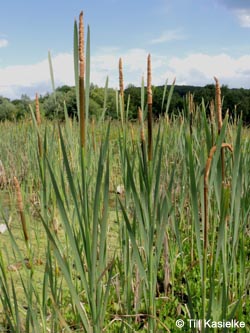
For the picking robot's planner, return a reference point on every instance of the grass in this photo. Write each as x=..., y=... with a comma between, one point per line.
x=170, y=192
x=172, y=244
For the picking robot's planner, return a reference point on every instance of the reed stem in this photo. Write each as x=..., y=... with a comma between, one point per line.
x=150, y=116
x=219, y=119
x=81, y=81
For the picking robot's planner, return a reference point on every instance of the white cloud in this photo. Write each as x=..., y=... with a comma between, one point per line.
x=194, y=69
x=243, y=17
x=3, y=43
x=241, y=8
x=168, y=36
x=19, y=79
x=200, y=68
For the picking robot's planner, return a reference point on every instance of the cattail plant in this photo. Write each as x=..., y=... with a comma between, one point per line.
x=81, y=81
x=219, y=120
x=206, y=217
x=206, y=175
x=218, y=103
x=121, y=85
x=20, y=209
x=150, y=116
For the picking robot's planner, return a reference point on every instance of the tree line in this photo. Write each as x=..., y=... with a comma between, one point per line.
x=53, y=105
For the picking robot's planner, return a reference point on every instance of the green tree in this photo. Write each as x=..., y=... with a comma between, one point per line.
x=53, y=105
x=22, y=106
x=7, y=110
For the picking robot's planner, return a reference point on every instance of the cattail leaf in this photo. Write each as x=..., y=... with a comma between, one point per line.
x=52, y=75
x=136, y=253
x=84, y=231
x=104, y=219
x=68, y=228
x=164, y=95
x=194, y=200
x=101, y=119
x=170, y=94
x=67, y=275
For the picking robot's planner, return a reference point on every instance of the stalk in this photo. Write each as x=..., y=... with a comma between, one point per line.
x=81, y=81
x=150, y=117
x=219, y=119
x=121, y=90
x=212, y=120
x=142, y=135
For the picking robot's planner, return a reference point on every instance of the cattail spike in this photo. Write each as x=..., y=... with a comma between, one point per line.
x=81, y=44
x=218, y=103
x=38, y=115
x=140, y=119
x=149, y=80
x=121, y=78
x=81, y=81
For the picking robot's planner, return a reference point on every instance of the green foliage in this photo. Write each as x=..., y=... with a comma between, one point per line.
x=236, y=101
x=8, y=110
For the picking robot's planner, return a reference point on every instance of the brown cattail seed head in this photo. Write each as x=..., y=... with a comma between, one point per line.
x=218, y=102
x=149, y=80
x=140, y=118
x=121, y=78
x=211, y=107
x=190, y=102
x=38, y=115
x=81, y=44
x=18, y=195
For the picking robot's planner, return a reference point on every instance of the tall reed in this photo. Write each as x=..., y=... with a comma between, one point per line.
x=81, y=81
x=150, y=113
x=219, y=121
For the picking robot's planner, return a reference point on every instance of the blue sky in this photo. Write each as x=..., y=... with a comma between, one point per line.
x=192, y=40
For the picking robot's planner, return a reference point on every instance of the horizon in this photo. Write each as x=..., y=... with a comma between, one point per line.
x=191, y=41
